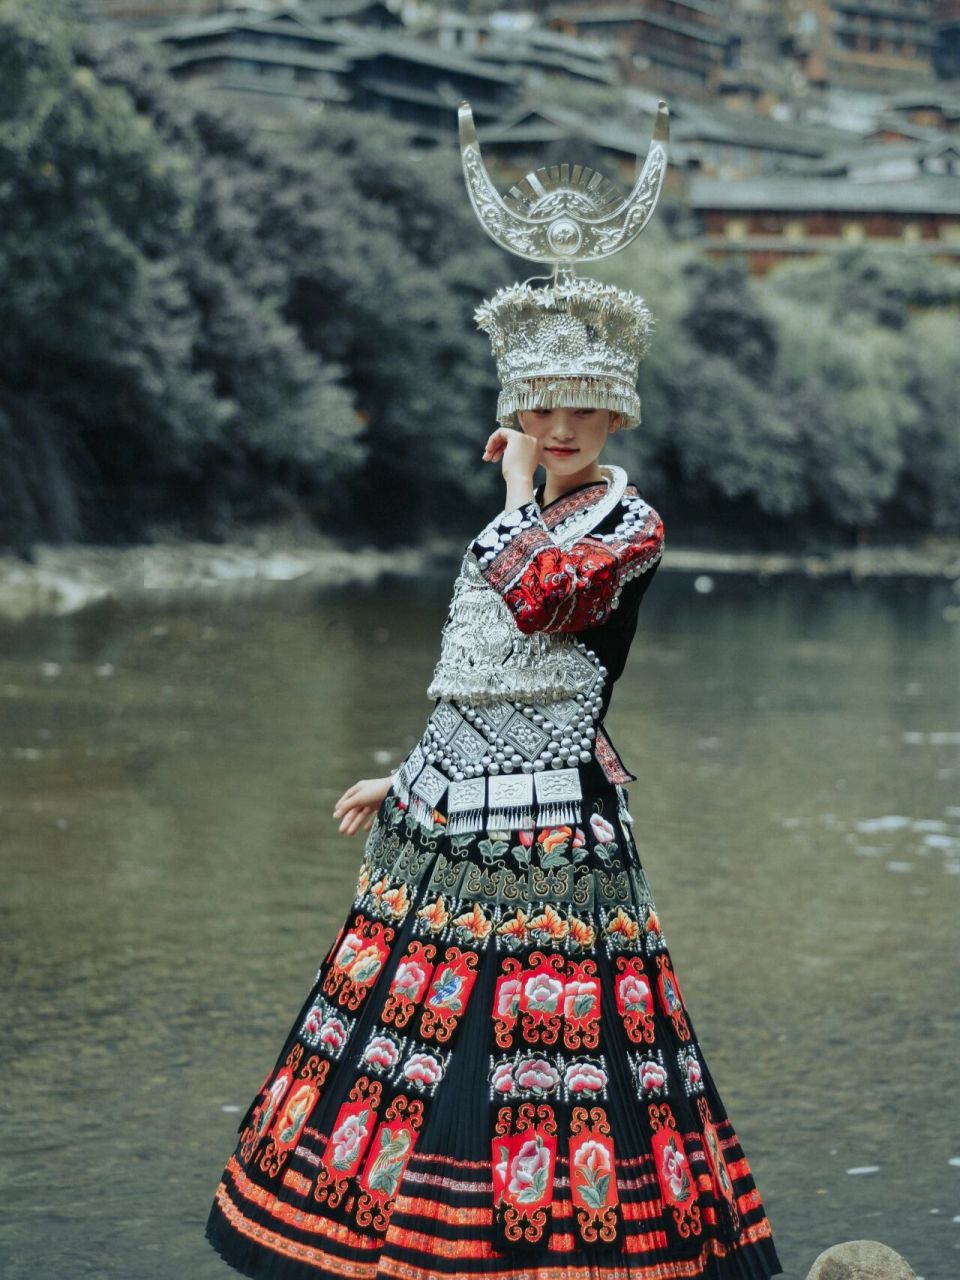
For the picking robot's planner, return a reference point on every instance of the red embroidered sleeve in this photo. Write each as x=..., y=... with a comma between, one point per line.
x=552, y=588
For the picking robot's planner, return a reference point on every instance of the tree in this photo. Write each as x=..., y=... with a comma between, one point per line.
x=118, y=399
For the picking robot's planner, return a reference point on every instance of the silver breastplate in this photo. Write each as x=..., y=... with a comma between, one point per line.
x=485, y=657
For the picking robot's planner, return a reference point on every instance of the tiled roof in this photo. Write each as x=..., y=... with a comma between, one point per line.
x=922, y=195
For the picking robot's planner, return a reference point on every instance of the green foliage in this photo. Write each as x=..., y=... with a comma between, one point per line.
x=827, y=392
x=930, y=485
x=202, y=324
x=140, y=364
x=385, y=265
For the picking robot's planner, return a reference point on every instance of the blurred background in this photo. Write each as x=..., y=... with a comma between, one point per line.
x=242, y=402
x=239, y=265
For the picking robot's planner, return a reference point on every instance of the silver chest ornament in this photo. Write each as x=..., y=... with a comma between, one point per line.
x=517, y=713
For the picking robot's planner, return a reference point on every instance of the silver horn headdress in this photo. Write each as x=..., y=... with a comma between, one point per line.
x=575, y=342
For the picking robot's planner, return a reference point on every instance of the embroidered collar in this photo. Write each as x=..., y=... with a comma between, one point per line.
x=574, y=514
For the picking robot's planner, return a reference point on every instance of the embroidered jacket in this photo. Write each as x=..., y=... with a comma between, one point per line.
x=539, y=627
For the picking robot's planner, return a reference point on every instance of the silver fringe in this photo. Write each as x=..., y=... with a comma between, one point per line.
x=555, y=815
x=558, y=392
x=518, y=819
x=422, y=811
x=466, y=820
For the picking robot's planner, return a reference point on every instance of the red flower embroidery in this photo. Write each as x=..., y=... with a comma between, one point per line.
x=536, y=1075
x=530, y=1172
x=584, y=1078
x=423, y=1068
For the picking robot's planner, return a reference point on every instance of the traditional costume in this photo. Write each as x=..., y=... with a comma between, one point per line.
x=495, y=1073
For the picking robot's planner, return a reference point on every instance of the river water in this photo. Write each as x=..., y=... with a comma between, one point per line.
x=172, y=877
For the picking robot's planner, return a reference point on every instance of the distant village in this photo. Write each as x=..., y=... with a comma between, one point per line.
x=798, y=127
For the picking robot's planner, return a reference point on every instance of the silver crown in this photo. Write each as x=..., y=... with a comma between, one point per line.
x=575, y=342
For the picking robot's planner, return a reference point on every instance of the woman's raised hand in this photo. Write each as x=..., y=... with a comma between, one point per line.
x=358, y=805
x=518, y=454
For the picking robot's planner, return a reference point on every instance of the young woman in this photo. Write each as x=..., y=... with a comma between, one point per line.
x=495, y=1073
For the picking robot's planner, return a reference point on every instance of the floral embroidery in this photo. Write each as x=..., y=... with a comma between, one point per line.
x=395, y=902
x=553, y=837
x=593, y=1183
x=649, y=1074
x=547, y=925
x=536, y=1076
x=541, y=998
x=581, y=1006
x=434, y=915
x=550, y=924
x=293, y=1115
x=674, y=1173
x=282, y=1111
x=424, y=1071
x=349, y=1138
x=622, y=929
x=723, y=1183
x=529, y=1171
x=275, y=1095
x=350, y=947
x=634, y=999
x=524, y=1076
x=474, y=925
x=409, y=984
x=603, y=830
x=523, y=1159
x=677, y=1189
x=326, y=1028
x=585, y=1077
x=501, y=1079
x=653, y=934
x=690, y=1070
x=358, y=961
x=381, y=1052
x=515, y=928
x=581, y=932
x=541, y=993
x=506, y=1002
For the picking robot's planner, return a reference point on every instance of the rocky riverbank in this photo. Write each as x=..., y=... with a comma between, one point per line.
x=61, y=580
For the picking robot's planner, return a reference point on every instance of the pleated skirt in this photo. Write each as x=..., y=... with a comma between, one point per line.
x=494, y=1074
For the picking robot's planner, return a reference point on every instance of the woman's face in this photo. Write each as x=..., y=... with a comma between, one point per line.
x=572, y=438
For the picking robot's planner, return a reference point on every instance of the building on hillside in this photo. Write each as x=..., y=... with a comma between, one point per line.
x=712, y=142
x=534, y=135
x=416, y=82
x=771, y=220
x=936, y=108
x=276, y=62
x=147, y=13
x=676, y=45
x=946, y=38
x=362, y=13
x=358, y=13
x=874, y=161
x=283, y=64
x=865, y=45
x=536, y=49
x=736, y=144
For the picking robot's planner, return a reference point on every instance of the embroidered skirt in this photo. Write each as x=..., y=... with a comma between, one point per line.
x=495, y=1074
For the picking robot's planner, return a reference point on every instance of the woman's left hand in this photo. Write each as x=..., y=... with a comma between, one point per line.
x=358, y=805
x=518, y=454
